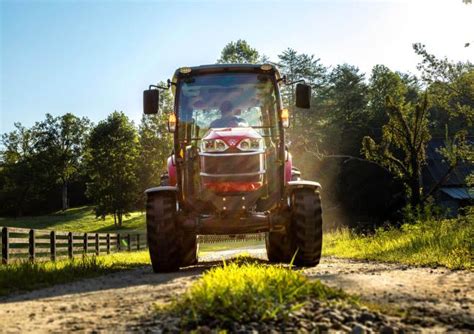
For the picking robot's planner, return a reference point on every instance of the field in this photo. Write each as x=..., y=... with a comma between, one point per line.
x=81, y=219
x=447, y=243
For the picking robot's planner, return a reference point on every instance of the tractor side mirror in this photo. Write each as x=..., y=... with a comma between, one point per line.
x=150, y=101
x=303, y=96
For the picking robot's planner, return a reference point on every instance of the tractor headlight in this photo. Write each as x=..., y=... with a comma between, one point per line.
x=251, y=144
x=214, y=145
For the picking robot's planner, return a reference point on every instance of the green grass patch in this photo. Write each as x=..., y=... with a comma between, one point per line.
x=27, y=276
x=246, y=290
x=81, y=219
x=447, y=242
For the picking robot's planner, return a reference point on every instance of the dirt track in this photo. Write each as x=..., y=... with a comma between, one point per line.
x=112, y=302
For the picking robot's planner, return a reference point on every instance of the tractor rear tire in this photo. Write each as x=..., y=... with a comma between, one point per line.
x=306, y=227
x=189, y=250
x=278, y=247
x=162, y=232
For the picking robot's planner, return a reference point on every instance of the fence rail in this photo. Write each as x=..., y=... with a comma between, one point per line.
x=33, y=245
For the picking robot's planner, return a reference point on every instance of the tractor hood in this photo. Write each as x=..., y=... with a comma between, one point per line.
x=232, y=136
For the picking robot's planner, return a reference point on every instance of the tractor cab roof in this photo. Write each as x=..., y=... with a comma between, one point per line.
x=223, y=68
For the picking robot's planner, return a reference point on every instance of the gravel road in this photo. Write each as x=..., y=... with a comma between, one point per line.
x=432, y=299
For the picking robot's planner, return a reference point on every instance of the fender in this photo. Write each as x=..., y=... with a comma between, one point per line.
x=292, y=185
x=155, y=190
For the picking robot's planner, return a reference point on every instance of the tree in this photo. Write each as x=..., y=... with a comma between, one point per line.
x=300, y=67
x=304, y=123
x=347, y=94
x=382, y=83
x=60, y=146
x=155, y=143
x=239, y=52
x=18, y=172
x=402, y=147
x=112, y=157
x=451, y=86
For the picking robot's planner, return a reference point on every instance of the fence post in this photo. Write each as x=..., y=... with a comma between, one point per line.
x=108, y=243
x=52, y=244
x=31, y=245
x=86, y=242
x=129, y=242
x=5, y=245
x=97, y=245
x=118, y=242
x=70, y=252
x=138, y=241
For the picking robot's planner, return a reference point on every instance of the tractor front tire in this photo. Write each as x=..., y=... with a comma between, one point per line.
x=162, y=232
x=278, y=247
x=306, y=227
x=189, y=250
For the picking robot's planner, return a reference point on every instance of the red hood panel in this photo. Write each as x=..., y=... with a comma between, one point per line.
x=232, y=133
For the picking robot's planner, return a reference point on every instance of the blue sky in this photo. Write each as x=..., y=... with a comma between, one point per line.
x=93, y=57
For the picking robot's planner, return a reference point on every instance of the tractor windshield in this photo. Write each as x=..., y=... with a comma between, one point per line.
x=227, y=100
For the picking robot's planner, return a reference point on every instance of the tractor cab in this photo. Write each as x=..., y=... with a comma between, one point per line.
x=230, y=171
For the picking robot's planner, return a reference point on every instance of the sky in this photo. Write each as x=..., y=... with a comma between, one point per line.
x=90, y=58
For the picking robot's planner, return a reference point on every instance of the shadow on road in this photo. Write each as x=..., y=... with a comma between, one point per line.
x=117, y=280
x=123, y=279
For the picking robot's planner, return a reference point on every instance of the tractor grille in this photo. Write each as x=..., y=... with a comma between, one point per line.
x=231, y=164
x=232, y=171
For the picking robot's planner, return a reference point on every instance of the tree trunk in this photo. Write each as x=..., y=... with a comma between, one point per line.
x=120, y=218
x=115, y=219
x=415, y=192
x=415, y=184
x=64, y=196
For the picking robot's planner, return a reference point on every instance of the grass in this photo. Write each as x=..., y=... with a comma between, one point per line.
x=246, y=290
x=26, y=276
x=448, y=243
x=81, y=219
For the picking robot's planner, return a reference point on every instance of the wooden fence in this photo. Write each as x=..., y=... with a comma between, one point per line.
x=33, y=245
x=30, y=244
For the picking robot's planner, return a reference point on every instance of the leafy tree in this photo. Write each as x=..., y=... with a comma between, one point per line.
x=239, y=52
x=60, y=145
x=304, y=123
x=300, y=67
x=382, y=83
x=18, y=172
x=347, y=94
x=112, y=158
x=155, y=143
x=451, y=86
x=402, y=147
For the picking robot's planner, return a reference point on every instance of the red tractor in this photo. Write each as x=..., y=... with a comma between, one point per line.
x=230, y=171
